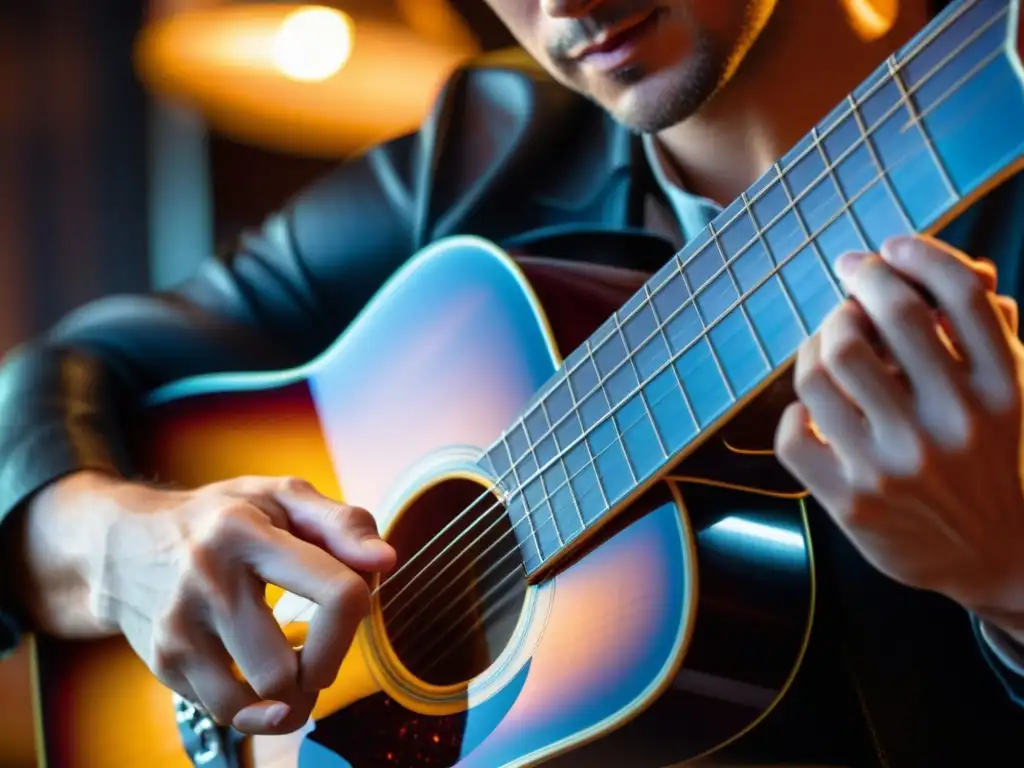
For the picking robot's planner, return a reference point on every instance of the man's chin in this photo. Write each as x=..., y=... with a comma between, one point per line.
x=659, y=101
x=643, y=108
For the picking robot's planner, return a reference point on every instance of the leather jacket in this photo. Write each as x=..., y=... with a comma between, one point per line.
x=510, y=155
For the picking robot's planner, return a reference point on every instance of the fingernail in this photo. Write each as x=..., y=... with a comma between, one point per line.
x=276, y=713
x=847, y=264
x=895, y=248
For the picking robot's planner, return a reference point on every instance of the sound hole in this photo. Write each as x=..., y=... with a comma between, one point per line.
x=452, y=608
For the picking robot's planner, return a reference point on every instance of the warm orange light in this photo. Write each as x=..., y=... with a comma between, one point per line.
x=303, y=79
x=871, y=19
x=313, y=43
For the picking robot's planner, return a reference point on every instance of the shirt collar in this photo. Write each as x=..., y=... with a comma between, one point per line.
x=693, y=212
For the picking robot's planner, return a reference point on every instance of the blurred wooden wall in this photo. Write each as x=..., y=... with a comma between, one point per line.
x=72, y=159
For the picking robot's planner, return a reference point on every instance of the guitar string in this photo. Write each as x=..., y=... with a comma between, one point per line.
x=904, y=99
x=395, y=633
x=910, y=56
x=772, y=274
x=790, y=207
x=660, y=327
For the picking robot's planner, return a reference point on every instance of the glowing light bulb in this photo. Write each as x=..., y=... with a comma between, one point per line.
x=871, y=19
x=313, y=43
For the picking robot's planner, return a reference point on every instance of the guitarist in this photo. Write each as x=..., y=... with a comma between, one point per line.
x=917, y=656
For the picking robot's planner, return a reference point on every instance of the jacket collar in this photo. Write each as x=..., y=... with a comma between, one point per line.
x=511, y=154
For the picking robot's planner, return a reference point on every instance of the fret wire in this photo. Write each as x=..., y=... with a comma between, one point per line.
x=871, y=90
x=758, y=341
x=591, y=463
x=855, y=111
x=676, y=356
x=808, y=239
x=572, y=495
x=970, y=73
x=639, y=379
x=611, y=408
x=771, y=255
x=675, y=371
x=565, y=470
x=705, y=331
x=842, y=195
x=543, y=484
x=584, y=430
x=519, y=487
x=554, y=520
x=792, y=200
x=917, y=119
x=786, y=260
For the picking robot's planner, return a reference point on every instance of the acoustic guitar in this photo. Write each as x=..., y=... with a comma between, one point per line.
x=596, y=566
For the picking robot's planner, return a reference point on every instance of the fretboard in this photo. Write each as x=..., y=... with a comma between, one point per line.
x=932, y=127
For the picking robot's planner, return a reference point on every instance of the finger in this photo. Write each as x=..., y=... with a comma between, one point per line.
x=341, y=594
x=255, y=720
x=1010, y=313
x=962, y=296
x=837, y=419
x=208, y=672
x=349, y=533
x=985, y=269
x=849, y=357
x=906, y=324
x=809, y=460
x=256, y=642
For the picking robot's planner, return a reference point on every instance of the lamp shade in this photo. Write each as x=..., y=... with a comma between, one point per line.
x=309, y=80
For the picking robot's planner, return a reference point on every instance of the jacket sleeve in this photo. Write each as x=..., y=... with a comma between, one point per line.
x=275, y=300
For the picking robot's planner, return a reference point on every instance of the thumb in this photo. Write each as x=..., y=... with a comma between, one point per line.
x=349, y=533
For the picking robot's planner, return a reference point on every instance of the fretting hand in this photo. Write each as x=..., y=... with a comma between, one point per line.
x=182, y=574
x=908, y=425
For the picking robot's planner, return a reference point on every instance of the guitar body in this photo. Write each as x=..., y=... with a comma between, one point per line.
x=666, y=637
x=636, y=592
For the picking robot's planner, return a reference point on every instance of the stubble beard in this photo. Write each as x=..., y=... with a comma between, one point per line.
x=670, y=97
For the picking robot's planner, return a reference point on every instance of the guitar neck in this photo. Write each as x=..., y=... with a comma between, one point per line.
x=927, y=133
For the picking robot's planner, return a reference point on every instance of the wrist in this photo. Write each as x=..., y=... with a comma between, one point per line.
x=61, y=548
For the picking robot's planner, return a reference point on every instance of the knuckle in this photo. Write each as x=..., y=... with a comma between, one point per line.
x=959, y=431
x=295, y=485
x=789, y=437
x=349, y=593
x=907, y=458
x=808, y=379
x=348, y=516
x=168, y=646
x=971, y=293
x=223, y=711
x=843, y=350
x=227, y=522
x=864, y=512
x=277, y=679
x=902, y=306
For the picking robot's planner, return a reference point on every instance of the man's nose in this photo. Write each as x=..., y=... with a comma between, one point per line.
x=568, y=8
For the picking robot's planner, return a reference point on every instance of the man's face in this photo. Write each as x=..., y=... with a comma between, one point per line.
x=650, y=63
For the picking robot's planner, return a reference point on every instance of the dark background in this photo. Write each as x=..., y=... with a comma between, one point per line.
x=74, y=127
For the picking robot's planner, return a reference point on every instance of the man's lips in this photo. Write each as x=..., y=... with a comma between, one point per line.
x=615, y=37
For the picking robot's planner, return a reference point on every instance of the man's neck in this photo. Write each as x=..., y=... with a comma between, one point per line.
x=808, y=59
